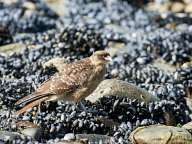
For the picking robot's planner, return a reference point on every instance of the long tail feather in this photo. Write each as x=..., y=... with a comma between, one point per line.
x=30, y=105
x=30, y=98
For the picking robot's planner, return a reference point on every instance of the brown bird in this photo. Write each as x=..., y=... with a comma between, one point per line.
x=76, y=81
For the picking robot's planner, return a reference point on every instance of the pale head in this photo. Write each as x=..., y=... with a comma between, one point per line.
x=100, y=57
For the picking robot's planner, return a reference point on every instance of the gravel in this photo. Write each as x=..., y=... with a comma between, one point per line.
x=89, y=26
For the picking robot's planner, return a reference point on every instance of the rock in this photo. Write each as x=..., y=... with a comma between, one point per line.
x=10, y=48
x=114, y=87
x=8, y=136
x=162, y=8
x=28, y=13
x=188, y=126
x=26, y=124
x=32, y=132
x=29, y=5
x=72, y=142
x=189, y=102
x=57, y=62
x=187, y=64
x=114, y=73
x=59, y=6
x=26, y=118
x=172, y=25
x=169, y=118
x=29, y=129
x=115, y=47
x=9, y=2
x=187, y=1
x=188, y=8
x=161, y=64
x=94, y=138
x=160, y=134
x=142, y=60
x=69, y=136
x=177, y=7
x=108, y=122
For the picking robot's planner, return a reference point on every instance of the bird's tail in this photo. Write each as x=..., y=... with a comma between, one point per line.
x=30, y=105
x=31, y=100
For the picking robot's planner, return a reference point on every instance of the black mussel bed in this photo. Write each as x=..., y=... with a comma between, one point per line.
x=145, y=38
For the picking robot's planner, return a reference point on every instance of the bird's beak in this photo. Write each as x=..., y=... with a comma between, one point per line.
x=108, y=58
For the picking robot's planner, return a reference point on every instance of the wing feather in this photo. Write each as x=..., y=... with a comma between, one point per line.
x=73, y=77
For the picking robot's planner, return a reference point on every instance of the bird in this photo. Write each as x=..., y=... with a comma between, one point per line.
x=76, y=81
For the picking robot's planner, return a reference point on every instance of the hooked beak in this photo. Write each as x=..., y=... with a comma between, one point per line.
x=108, y=58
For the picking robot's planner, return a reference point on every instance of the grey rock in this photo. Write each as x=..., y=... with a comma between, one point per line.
x=69, y=136
x=95, y=138
x=114, y=87
x=32, y=132
x=8, y=136
x=160, y=134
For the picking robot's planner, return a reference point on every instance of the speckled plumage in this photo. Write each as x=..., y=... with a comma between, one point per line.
x=76, y=81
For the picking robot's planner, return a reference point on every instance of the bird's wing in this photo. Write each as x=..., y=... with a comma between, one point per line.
x=56, y=85
x=73, y=76
x=80, y=71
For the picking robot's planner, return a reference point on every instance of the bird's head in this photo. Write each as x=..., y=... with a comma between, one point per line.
x=100, y=57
